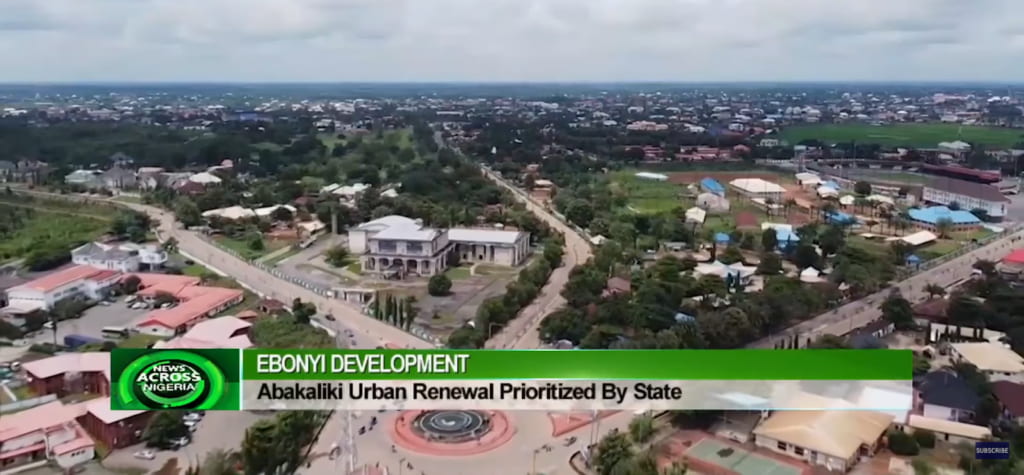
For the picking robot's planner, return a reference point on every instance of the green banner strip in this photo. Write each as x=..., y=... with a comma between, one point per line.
x=878, y=365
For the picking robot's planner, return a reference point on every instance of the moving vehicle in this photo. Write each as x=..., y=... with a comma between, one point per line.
x=329, y=317
x=181, y=442
x=74, y=341
x=144, y=455
x=115, y=332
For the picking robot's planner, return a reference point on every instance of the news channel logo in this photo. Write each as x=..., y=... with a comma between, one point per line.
x=175, y=379
x=991, y=450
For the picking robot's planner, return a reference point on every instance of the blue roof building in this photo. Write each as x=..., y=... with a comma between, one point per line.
x=839, y=217
x=931, y=216
x=786, y=238
x=710, y=185
x=721, y=238
x=831, y=184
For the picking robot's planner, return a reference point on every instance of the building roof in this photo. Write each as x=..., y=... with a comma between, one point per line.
x=64, y=277
x=968, y=188
x=987, y=356
x=231, y=212
x=269, y=210
x=385, y=222
x=100, y=408
x=1011, y=395
x=756, y=185
x=484, y=235
x=934, y=214
x=197, y=301
x=1015, y=257
x=946, y=389
x=218, y=332
x=407, y=233
x=91, y=362
x=941, y=426
x=839, y=433
x=918, y=238
x=696, y=215
x=204, y=178
x=38, y=418
x=712, y=185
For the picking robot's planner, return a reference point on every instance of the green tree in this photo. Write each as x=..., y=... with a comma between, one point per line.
x=862, y=188
x=898, y=311
x=641, y=429
x=163, y=428
x=770, y=264
x=943, y=227
x=902, y=444
x=337, y=256
x=769, y=240
x=131, y=284
x=187, y=212
x=924, y=438
x=303, y=311
x=613, y=449
x=439, y=285
x=805, y=256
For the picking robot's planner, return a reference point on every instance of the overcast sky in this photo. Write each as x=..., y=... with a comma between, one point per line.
x=511, y=40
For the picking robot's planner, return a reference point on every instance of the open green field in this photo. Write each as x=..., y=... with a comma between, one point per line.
x=242, y=247
x=647, y=196
x=50, y=230
x=907, y=135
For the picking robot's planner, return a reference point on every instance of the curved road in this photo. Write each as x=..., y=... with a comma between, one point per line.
x=522, y=332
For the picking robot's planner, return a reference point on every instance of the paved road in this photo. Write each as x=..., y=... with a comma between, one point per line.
x=522, y=332
x=861, y=312
x=269, y=286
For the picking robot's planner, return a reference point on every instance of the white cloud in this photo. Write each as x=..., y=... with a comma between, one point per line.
x=510, y=40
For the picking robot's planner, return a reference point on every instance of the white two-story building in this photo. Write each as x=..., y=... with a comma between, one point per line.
x=968, y=195
x=396, y=246
x=125, y=257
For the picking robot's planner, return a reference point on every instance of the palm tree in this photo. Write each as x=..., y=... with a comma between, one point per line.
x=828, y=209
x=170, y=246
x=944, y=226
x=768, y=203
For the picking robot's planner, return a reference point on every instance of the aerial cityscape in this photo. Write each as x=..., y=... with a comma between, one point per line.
x=317, y=175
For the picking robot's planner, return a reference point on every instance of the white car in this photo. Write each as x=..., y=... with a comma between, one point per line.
x=192, y=417
x=144, y=455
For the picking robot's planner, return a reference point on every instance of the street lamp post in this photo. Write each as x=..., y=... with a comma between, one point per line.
x=533, y=465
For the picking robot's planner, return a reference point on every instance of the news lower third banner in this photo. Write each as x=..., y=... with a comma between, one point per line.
x=549, y=380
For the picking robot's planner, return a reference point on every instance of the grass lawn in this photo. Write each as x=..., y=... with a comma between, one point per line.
x=720, y=223
x=355, y=267
x=282, y=256
x=938, y=248
x=458, y=273
x=138, y=340
x=242, y=247
x=647, y=196
x=916, y=135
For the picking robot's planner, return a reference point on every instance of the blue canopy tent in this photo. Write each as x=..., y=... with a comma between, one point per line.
x=913, y=260
x=721, y=238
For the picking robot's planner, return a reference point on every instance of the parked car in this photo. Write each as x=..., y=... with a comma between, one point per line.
x=192, y=417
x=105, y=303
x=144, y=455
x=329, y=317
x=181, y=442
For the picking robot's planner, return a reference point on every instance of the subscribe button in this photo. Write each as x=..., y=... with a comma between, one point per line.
x=991, y=450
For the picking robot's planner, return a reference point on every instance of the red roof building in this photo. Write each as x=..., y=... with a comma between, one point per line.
x=1011, y=398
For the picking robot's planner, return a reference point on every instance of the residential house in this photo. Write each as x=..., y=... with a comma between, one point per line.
x=117, y=178
x=221, y=332
x=945, y=395
x=616, y=286
x=1012, y=266
x=149, y=178
x=7, y=170
x=195, y=304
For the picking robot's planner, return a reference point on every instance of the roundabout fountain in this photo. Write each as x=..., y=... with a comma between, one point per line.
x=454, y=432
